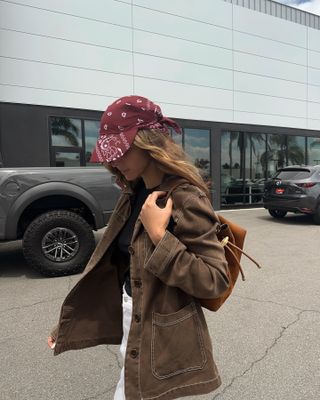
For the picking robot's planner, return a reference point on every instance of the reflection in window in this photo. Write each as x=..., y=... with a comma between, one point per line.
x=197, y=146
x=255, y=147
x=64, y=159
x=276, y=156
x=66, y=132
x=177, y=137
x=91, y=133
x=296, y=150
x=231, y=174
x=313, y=150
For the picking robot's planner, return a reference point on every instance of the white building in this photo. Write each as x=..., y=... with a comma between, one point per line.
x=242, y=77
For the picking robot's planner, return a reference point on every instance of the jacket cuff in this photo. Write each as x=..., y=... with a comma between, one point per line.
x=162, y=254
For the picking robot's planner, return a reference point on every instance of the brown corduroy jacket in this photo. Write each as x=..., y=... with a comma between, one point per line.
x=169, y=351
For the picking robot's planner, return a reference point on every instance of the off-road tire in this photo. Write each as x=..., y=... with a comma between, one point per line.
x=277, y=213
x=53, y=221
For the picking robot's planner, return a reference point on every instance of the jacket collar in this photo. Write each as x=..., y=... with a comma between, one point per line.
x=169, y=183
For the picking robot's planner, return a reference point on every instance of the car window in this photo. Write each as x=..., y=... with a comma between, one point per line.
x=293, y=174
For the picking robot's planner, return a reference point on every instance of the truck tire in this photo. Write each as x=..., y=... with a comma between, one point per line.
x=58, y=242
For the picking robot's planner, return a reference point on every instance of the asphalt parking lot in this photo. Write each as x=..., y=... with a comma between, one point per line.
x=266, y=337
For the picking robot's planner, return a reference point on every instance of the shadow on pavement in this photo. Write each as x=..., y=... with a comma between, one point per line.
x=13, y=263
x=289, y=219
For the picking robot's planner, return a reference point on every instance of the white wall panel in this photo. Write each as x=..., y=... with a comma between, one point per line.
x=176, y=93
x=272, y=68
x=314, y=59
x=269, y=86
x=162, y=46
x=314, y=39
x=269, y=105
x=171, y=25
x=73, y=42
x=212, y=11
x=178, y=71
x=314, y=110
x=256, y=23
x=196, y=113
x=63, y=52
x=32, y=20
x=272, y=120
x=314, y=124
x=314, y=93
x=54, y=98
x=314, y=76
x=103, y=10
x=269, y=48
x=46, y=76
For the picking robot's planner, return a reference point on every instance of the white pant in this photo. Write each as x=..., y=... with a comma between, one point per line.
x=127, y=315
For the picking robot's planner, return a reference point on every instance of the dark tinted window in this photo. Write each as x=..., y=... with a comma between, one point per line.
x=293, y=174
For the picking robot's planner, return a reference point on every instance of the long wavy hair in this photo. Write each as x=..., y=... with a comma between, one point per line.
x=169, y=157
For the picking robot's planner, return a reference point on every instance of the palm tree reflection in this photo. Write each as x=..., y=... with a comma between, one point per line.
x=65, y=128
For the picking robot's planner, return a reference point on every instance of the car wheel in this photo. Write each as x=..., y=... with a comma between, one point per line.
x=277, y=213
x=58, y=243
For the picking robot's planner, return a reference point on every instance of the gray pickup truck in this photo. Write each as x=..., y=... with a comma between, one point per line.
x=54, y=211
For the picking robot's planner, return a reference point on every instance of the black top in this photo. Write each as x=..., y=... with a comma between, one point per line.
x=125, y=235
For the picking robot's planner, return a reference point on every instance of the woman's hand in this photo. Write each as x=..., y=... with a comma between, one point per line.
x=51, y=342
x=155, y=219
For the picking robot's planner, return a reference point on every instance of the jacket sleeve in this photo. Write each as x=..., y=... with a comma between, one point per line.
x=192, y=258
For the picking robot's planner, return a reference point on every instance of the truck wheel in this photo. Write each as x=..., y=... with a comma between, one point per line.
x=277, y=213
x=58, y=242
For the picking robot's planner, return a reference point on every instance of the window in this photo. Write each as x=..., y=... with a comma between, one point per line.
x=64, y=159
x=313, y=150
x=231, y=168
x=66, y=132
x=276, y=156
x=295, y=174
x=296, y=150
x=72, y=141
x=91, y=133
x=197, y=146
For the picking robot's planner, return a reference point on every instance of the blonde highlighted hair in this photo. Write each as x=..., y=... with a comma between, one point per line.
x=168, y=156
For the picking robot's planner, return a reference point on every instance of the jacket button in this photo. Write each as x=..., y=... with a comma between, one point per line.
x=137, y=318
x=131, y=250
x=134, y=353
x=137, y=283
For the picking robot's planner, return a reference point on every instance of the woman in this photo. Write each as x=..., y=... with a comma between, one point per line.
x=157, y=257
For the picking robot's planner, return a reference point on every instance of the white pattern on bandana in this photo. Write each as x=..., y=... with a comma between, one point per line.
x=109, y=148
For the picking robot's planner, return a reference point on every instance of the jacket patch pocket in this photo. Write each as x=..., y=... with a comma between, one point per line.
x=176, y=343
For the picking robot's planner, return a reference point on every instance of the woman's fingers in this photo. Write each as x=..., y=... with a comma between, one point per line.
x=51, y=342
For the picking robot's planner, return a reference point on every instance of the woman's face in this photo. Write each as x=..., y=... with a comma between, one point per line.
x=133, y=163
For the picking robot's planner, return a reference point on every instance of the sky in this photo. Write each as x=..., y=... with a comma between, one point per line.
x=312, y=6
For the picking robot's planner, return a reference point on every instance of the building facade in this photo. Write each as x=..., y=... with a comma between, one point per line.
x=241, y=77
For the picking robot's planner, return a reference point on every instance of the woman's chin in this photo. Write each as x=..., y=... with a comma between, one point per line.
x=129, y=177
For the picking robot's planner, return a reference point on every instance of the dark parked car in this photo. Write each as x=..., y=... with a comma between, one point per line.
x=294, y=189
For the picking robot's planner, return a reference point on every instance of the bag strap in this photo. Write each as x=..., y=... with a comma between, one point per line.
x=226, y=243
